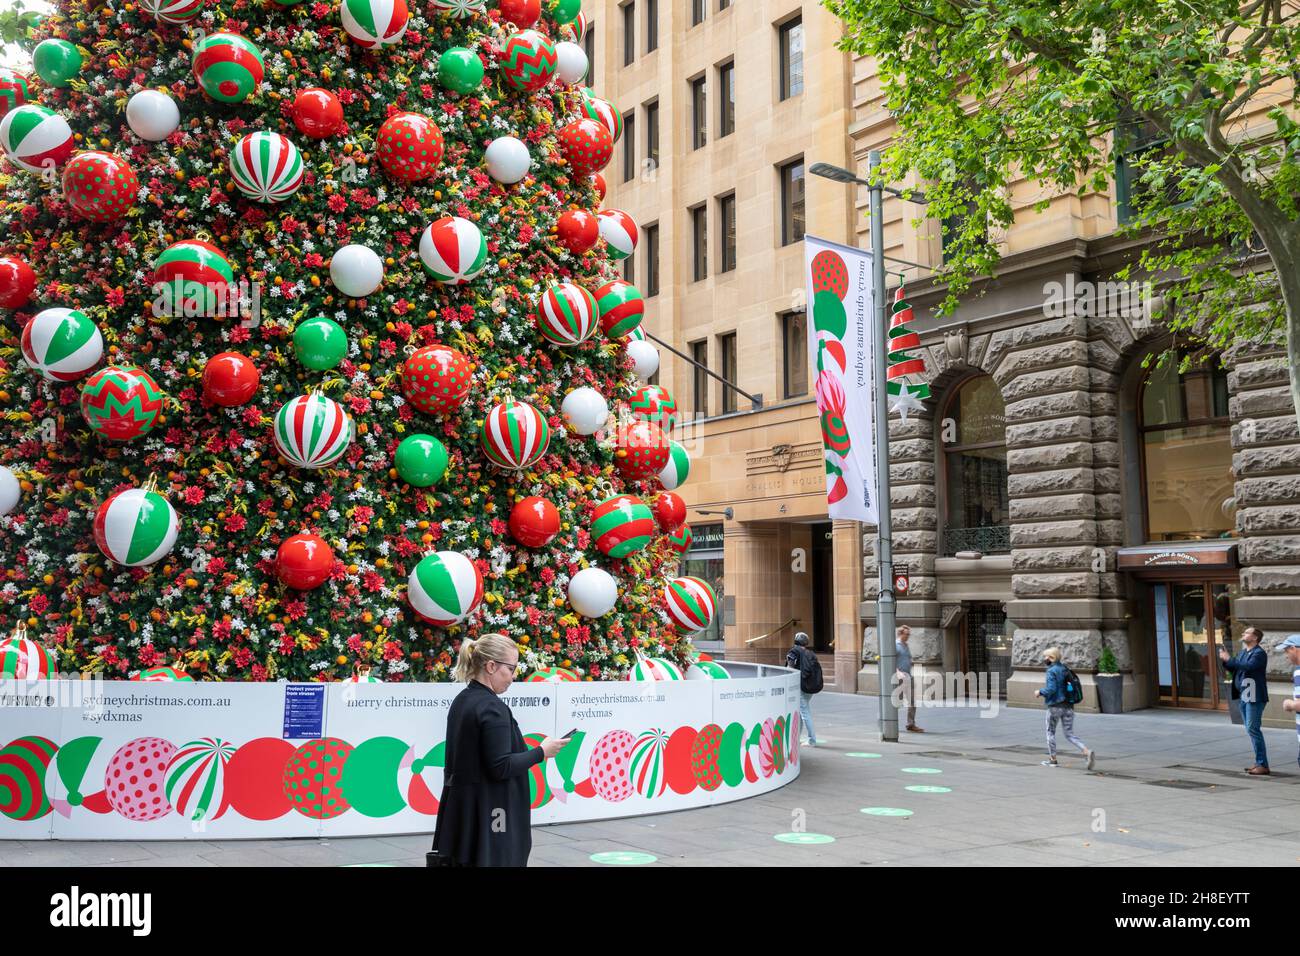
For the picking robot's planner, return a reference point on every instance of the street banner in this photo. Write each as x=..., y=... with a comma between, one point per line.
x=841, y=348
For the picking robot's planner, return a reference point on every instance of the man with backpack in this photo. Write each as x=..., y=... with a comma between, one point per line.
x=809, y=667
x=1060, y=695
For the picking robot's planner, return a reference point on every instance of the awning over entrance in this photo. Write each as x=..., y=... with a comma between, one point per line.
x=1179, y=555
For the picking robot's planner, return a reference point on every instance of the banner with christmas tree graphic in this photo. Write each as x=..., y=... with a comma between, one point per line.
x=841, y=348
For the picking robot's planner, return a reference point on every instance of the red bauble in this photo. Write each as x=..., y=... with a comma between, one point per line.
x=317, y=113
x=304, y=561
x=534, y=522
x=670, y=511
x=586, y=146
x=17, y=282
x=577, y=230
x=522, y=13
x=230, y=379
x=599, y=181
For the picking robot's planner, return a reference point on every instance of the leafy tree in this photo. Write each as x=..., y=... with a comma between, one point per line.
x=1197, y=97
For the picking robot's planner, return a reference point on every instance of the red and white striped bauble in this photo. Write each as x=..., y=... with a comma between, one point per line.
x=567, y=315
x=691, y=604
x=312, y=431
x=619, y=231
x=515, y=435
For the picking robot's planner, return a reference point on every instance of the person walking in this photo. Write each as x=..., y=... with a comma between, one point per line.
x=483, y=816
x=1249, y=669
x=903, y=676
x=802, y=659
x=1060, y=706
x=1291, y=647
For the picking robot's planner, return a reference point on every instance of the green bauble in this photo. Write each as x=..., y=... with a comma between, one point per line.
x=320, y=343
x=56, y=61
x=460, y=70
x=421, y=460
x=564, y=11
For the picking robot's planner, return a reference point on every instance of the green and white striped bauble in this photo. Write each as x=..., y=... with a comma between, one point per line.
x=35, y=138
x=444, y=588
x=136, y=528
x=312, y=431
x=266, y=167
x=62, y=344
x=678, y=467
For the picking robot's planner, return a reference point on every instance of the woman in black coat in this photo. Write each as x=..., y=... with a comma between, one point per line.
x=484, y=815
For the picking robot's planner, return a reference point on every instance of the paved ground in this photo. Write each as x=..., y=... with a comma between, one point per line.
x=1168, y=791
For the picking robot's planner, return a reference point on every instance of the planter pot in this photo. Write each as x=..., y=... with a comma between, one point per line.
x=1110, y=693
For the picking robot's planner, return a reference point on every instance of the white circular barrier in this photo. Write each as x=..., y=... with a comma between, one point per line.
x=117, y=760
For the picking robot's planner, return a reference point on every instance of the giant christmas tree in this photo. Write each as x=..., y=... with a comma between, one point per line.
x=310, y=329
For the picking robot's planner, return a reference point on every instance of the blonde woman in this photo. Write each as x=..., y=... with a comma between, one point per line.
x=483, y=817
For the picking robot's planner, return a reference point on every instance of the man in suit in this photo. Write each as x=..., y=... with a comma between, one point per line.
x=1249, y=671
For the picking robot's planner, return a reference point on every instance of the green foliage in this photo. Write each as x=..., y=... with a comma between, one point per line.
x=989, y=92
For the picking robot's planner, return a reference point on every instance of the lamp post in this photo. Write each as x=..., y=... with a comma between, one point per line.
x=886, y=612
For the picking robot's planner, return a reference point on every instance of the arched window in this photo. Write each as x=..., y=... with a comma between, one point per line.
x=1186, y=453
x=973, y=439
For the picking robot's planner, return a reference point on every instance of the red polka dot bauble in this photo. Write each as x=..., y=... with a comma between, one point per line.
x=522, y=13
x=577, y=230
x=642, y=451
x=135, y=779
x=100, y=187
x=534, y=522
x=409, y=147
x=317, y=113
x=670, y=511
x=313, y=778
x=230, y=379
x=304, y=561
x=17, y=282
x=586, y=146
x=436, y=379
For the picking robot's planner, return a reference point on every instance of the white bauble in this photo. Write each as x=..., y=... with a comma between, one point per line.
x=507, y=160
x=645, y=358
x=10, y=492
x=356, y=271
x=152, y=115
x=585, y=410
x=571, y=62
x=593, y=592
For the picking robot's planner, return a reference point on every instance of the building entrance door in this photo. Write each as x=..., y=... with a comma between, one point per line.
x=1193, y=619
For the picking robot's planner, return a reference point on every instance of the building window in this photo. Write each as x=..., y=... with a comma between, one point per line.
x=589, y=47
x=651, y=25
x=700, y=378
x=699, y=114
x=1186, y=453
x=697, y=12
x=727, y=97
x=792, y=218
x=791, y=43
x=727, y=232
x=700, y=242
x=652, y=134
x=650, y=242
x=727, y=354
x=629, y=145
x=972, y=434
x=794, y=336
x=629, y=34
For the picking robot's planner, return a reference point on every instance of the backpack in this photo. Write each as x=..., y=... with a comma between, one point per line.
x=1071, y=688
x=810, y=672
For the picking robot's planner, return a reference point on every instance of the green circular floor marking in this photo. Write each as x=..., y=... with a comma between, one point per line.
x=921, y=770
x=623, y=858
x=919, y=788
x=804, y=838
x=860, y=754
x=886, y=812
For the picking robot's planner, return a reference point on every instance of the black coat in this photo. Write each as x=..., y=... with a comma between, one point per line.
x=487, y=764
